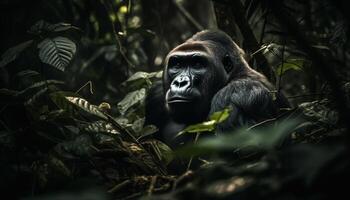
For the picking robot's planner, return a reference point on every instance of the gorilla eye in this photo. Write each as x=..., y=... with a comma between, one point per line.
x=197, y=65
x=199, y=62
x=174, y=63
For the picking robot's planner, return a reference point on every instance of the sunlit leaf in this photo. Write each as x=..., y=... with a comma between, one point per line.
x=290, y=64
x=86, y=106
x=221, y=116
x=207, y=126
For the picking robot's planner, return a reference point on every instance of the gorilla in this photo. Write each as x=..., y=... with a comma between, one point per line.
x=206, y=74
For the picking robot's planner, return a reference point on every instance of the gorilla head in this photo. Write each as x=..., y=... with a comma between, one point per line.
x=194, y=72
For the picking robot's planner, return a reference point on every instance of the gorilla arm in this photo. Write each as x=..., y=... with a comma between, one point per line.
x=250, y=100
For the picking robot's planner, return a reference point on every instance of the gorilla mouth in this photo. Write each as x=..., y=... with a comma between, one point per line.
x=180, y=99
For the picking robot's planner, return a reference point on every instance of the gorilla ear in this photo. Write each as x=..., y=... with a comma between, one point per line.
x=227, y=62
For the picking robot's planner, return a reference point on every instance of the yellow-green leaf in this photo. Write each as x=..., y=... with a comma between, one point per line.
x=290, y=64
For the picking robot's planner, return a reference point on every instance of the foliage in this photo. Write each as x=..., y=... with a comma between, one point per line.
x=74, y=76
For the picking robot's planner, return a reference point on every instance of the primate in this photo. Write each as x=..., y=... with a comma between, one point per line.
x=205, y=74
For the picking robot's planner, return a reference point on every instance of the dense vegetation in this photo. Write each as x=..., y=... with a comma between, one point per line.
x=74, y=76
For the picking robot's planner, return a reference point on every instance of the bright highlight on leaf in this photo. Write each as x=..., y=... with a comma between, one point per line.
x=123, y=9
x=208, y=126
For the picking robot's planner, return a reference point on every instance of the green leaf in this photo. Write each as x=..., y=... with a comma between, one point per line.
x=207, y=126
x=59, y=98
x=12, y=53
x=57, y=52
x=141, y=79
x=131, y=99
x=221, y=116
x=290, y=64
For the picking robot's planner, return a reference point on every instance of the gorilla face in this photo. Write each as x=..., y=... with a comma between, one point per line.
x=192, y=75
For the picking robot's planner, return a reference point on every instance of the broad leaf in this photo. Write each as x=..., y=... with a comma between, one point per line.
x=290, y=64
x=131, y=99
x=207, y=126
x=57, y=52
x=12, y=53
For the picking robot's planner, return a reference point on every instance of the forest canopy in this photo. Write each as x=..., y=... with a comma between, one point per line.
x=75, y=75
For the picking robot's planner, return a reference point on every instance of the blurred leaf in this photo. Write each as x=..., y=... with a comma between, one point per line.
x=86, y=106
x=57, y=52
x=149, y=34
x=290, y=64
x=131, y=100
x=12, y=53
x=265, y=138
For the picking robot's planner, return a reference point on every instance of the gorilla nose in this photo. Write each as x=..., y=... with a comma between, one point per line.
x=180, y=83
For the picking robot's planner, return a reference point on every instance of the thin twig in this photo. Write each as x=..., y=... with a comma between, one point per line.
x=119, y=186
x=261, y=123
x=188, y=173
x=307, y=95
x=90, y=87
x=151, y=186
x=191, y=159
x=116, y=36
